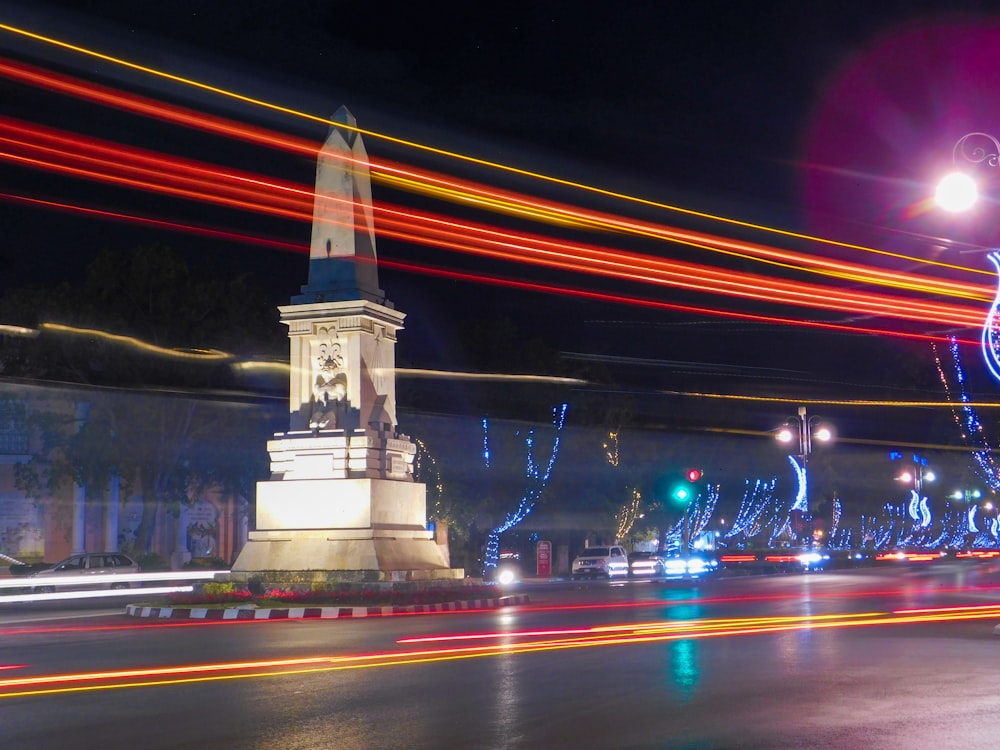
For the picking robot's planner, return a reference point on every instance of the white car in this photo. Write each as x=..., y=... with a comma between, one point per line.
x=81, y=567
x=601, y=562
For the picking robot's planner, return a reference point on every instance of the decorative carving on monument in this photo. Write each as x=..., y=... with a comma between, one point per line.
x=329, y=405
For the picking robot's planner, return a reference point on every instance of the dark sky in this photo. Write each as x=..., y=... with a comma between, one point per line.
x=745, y=109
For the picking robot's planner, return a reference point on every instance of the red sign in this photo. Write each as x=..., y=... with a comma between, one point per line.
x=543, y=559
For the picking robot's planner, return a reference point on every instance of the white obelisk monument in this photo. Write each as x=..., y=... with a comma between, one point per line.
x=341, y=495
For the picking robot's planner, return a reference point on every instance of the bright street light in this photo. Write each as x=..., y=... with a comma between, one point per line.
x=956, y=192
x=966, y=495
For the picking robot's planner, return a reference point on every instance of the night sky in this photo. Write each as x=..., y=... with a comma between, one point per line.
x=827, y=118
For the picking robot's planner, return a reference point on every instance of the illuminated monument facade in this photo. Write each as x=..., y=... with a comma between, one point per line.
x=341, y=495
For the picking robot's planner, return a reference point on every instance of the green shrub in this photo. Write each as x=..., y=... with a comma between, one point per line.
x=216, y=588
x=152, y=563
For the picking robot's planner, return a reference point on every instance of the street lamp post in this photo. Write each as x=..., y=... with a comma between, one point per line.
x=957, y=192
x=968, y=496
x=917, y=476
x=800, y=432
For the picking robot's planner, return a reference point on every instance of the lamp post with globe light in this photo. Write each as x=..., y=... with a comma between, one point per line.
x=799, y=433
x=968, y=496
x=917, y=476
x=958, y=192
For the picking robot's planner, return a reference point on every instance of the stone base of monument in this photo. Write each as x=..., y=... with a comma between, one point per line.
x=348, y=529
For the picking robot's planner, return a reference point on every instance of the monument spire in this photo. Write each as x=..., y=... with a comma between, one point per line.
x=342, y=261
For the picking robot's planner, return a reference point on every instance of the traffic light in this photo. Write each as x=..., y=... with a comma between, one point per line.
x=684, y=491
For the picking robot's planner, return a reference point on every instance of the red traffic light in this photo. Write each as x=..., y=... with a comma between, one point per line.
x=693, y=475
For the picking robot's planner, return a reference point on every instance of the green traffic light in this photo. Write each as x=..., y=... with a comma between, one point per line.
x=681, y=494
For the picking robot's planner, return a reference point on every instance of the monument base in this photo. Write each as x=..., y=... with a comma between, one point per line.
x=373, y=558
x=354, y=529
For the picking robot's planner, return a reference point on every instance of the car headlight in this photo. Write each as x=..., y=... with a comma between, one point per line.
x=696, y=565
x=676, y=566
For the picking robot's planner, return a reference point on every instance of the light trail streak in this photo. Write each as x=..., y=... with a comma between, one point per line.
x=195, y=181
x=621, y=265
x=147, y=70
x=641, y=633
x=616, y=264
x=138, y=344
x=631, y=628
x=163, y=175
x=166, y=575
x=568, y=215
x=825, y=402
x=663, y=305
x=761, y=288
x=464, y=191
x=20, y=331
x=161, y=223
x=102, y=594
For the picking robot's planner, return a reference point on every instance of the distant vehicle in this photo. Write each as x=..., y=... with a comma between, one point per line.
x=601, y=562
x=508, y=569
x=84, y=565
x=646, y=565
x=691, y=566
x=813, y=559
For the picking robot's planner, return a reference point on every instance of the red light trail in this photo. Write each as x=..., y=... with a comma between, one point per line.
x=484, y=196
x=67, y=84
x=186, y=179
x=206, y=183
x=509, y=643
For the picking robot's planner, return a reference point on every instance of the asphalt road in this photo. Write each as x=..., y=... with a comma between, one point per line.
x=880, y=658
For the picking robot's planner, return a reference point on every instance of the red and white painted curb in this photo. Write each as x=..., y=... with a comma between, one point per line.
x=316, y=613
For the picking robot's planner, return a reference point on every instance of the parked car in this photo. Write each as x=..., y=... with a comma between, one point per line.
x=646, y=565
x=83, y=565
x=603, y=562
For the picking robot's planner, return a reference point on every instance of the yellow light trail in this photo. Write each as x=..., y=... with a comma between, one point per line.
x=139, y=344
x=626, y=634
x=557, y=213
x=253, y=101
x=826, y=401
x=476, y=194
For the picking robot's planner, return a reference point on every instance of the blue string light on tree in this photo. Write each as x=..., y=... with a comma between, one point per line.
x=537, y=481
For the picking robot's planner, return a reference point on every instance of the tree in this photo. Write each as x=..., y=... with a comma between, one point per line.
x=155, y=344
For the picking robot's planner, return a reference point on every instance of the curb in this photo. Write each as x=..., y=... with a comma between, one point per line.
x=316, y=613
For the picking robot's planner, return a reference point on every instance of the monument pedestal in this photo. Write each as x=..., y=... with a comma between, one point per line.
x=373, y=527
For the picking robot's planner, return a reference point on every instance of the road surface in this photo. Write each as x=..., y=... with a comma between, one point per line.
x=890, y=657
